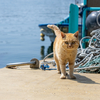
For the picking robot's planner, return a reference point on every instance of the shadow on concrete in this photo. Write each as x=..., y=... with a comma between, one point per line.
x=84, y=79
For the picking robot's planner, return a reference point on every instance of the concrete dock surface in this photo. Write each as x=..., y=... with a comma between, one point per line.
x=35, y=84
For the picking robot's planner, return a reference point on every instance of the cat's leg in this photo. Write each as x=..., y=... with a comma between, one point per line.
x=57, y=64
x=63, y=71
x=71, y=69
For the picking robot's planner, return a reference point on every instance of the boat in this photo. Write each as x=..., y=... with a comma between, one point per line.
x=63, y=26
x=82, y=22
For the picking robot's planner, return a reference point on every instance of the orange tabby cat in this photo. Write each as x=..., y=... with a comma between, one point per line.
x=65, y=51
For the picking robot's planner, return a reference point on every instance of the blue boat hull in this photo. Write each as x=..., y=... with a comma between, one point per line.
x=50, y=33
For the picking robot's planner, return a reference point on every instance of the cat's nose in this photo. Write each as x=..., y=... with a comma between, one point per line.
x=69, y=45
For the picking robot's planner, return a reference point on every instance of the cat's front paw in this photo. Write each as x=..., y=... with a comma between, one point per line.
x=63, y=76
x=66, y=73
x=58, y=72
x=72, y=77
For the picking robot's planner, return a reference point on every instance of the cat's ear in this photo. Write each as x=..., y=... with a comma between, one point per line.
x=76, y=34
x=62, y=35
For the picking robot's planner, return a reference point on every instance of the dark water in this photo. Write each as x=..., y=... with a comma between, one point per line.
x=19, y=31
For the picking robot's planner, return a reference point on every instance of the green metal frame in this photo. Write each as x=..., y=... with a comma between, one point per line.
x=73, y=18
x=84, y=16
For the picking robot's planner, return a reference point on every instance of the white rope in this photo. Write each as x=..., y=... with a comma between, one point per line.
x=93, y=51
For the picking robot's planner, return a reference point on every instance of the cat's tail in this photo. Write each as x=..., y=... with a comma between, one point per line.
x=55, y=29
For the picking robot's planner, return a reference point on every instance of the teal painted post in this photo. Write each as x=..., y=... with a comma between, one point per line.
x=85, y=2
x=73, y=18
x=83, y=24
x=84, y=19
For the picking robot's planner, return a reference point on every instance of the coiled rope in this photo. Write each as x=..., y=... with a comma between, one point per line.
x=88, y=59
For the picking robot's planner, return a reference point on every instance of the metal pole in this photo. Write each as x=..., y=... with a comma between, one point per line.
x=20, y=64
x=34, y=63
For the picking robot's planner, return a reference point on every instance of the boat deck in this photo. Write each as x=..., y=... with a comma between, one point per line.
x=28, y=84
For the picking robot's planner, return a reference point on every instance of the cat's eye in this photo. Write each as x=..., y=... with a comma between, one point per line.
x=73, y=42
x=66, y=42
